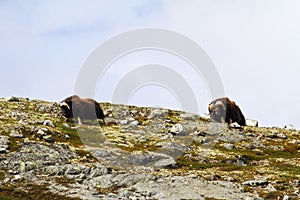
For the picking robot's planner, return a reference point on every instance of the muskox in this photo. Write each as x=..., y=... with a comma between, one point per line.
x=224, y=110
x=81, y=109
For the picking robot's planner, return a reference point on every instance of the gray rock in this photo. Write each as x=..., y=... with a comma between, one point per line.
x=286, y=197
x=42, y=131
x=3, y=149
x=255, y=183
x=103, y=181
x=274, y=134
x=48, y=123
x=22, y=122
x=76, y=169
x=234, y=125
x=4, y=140
x=99, y=170
x=125, y=121
x=189, y=116
x=117, y=157
x=39, y=154
x=176, y=129
x=135, y=123
x=230, y=179
x=228, y=146
x=158, y=113
x=67, y=137
x=6, y=180
x=281, y=135
x=48, y=138
x=180, y=187
x=66, y=125
x=270, y=188
x=294, y=141
x=15, y=134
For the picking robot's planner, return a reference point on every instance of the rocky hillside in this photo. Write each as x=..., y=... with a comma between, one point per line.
x=141, y=153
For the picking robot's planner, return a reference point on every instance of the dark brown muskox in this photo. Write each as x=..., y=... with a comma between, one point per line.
x=81, y=109
x=224, y=110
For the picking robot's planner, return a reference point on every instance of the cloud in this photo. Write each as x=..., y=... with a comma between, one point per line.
x=254, y=44
x=43, y=43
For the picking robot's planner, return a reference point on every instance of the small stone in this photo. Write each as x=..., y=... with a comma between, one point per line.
x=17, y=177
x=134, y=123
x=294, y=141
x=42, y=131
x=275, y=134
x=229, y=179
x=48, y=138
x=168, y=136
x=22, y=167
x=66, y=125
x=48, y=123
x=26, y=140
x=67, y=137
x=6, y=180
x=176, y=129
x=234, y=125
x=22, y=122
x=4, y=140
x=15, y=134
x=41, y=109
x=12, y=99
x=282, y=136
x=296, y=192
x=255, y=183
x=125, y=121
x=271, y=188
x=251, y=122
x=286, y=197
x=228, y=146
x=124, y=193
x=3, y=149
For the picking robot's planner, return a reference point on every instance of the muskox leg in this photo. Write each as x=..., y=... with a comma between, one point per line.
x=79, y=121
x=222, y=120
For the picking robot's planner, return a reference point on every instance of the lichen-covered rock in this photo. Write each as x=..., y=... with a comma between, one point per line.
x=4, y=142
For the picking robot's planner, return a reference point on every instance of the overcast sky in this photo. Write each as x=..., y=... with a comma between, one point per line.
x=254, y=44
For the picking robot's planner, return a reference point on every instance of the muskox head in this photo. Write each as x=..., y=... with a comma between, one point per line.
x=224, y=110
x=81, y=108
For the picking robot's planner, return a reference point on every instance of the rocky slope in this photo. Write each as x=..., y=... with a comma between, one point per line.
x=141, y=153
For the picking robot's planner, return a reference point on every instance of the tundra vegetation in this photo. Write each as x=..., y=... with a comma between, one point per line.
x=142, y=153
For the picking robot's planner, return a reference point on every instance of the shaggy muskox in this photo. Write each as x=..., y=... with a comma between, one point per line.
x=224, y=110
x=81, y=109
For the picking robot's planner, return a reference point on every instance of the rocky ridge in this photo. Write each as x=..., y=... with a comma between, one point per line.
x=141, y=153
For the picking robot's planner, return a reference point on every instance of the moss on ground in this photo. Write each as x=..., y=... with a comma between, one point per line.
x=29, y=191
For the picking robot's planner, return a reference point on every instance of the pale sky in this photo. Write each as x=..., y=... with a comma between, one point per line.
x=254, y=44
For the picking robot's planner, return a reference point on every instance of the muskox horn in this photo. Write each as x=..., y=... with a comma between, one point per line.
x=64, y=104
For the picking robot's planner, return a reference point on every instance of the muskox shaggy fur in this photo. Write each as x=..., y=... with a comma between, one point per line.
x=81, y=109
x=224, y=110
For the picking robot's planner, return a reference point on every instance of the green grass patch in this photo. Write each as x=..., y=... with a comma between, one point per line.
x=143, y=146
x=287, y=153
x=191, y=163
